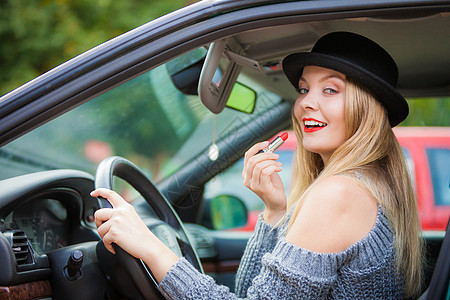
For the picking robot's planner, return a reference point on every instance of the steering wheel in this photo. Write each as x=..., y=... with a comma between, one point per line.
x=168, y=227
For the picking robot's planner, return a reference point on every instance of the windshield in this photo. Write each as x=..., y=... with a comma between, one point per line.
x=146, y=120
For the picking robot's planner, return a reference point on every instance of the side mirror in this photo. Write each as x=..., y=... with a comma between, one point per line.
x=224, y=212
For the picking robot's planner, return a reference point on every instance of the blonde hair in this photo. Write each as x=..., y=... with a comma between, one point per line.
x=381, y=163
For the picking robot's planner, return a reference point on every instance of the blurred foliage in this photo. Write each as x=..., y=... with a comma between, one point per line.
x=37, y=35
x=428, y=112
x=151, y=121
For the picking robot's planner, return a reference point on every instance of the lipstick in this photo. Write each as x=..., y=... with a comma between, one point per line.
x=275, y=144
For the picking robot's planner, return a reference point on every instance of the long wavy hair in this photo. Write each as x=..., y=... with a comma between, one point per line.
x=372, y=150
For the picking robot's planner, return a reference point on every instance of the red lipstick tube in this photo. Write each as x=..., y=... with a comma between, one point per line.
x=275, y=144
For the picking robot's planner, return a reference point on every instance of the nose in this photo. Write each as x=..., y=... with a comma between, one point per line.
x=307, y=101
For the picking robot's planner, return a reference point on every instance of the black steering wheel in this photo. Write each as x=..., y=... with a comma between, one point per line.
x=167, y=227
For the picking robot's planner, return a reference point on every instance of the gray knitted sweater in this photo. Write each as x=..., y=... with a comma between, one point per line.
x=272, y=268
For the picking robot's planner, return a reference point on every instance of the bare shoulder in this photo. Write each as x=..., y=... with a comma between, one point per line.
x=337, y=212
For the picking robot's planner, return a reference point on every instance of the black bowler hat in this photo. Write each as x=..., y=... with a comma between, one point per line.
x=359, y=58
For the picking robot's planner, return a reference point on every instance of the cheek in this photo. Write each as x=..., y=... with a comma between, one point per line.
x=337, y=109
x=342, y=133
x=339, y=116
x=334, y=112
x=297, y=111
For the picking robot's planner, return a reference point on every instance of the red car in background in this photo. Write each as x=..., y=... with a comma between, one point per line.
x=427, y=152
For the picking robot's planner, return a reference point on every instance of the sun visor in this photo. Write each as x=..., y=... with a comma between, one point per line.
x=223, y=62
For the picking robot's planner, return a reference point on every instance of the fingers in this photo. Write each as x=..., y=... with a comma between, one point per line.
x=104, y=218
x=113, y=198
x=251, y=161
x=258, y=171
x=102, y=215
x=254, y=149
x=108, y=246
x=110, y=224
x=120, y=225
x=108, y=236
x=260, y=177
x=265, y=179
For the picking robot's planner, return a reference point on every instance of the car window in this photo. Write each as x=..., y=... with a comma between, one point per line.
x=439, y=159
x=146, y=120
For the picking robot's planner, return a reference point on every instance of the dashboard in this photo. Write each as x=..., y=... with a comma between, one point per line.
x=45, y=222
x=40, y=214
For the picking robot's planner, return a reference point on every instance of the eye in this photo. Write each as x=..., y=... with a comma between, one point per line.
x=330, y=91
x=302, y=91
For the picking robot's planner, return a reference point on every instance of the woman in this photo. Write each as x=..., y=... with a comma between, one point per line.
x=349, y=228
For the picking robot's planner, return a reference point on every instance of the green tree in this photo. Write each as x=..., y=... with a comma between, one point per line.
x=37, y=35
x=428, y=112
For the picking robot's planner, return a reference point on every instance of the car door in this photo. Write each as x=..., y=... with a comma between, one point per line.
x=105, y=93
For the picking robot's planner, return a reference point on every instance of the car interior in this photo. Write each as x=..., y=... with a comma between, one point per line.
x=159, y=124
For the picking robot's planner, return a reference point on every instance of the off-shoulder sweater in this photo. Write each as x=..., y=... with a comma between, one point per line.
x=272, y=268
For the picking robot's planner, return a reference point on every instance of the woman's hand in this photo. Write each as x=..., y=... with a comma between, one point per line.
x=123, y=226
x=261, y=176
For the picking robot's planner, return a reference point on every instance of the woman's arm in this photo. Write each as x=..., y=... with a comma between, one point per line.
x=261, y=242
x=287, y=273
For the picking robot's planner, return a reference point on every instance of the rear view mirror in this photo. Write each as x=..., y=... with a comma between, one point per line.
x=224, y=212
x=185, y=71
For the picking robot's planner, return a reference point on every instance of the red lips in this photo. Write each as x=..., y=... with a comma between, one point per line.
x=312, y=128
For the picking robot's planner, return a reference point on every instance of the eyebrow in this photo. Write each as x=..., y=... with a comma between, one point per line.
x=338, y=76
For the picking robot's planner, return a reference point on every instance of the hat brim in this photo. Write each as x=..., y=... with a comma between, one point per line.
x=395, y=104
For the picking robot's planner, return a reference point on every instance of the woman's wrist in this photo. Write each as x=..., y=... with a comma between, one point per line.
x=272, y=217
x=160, y=259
